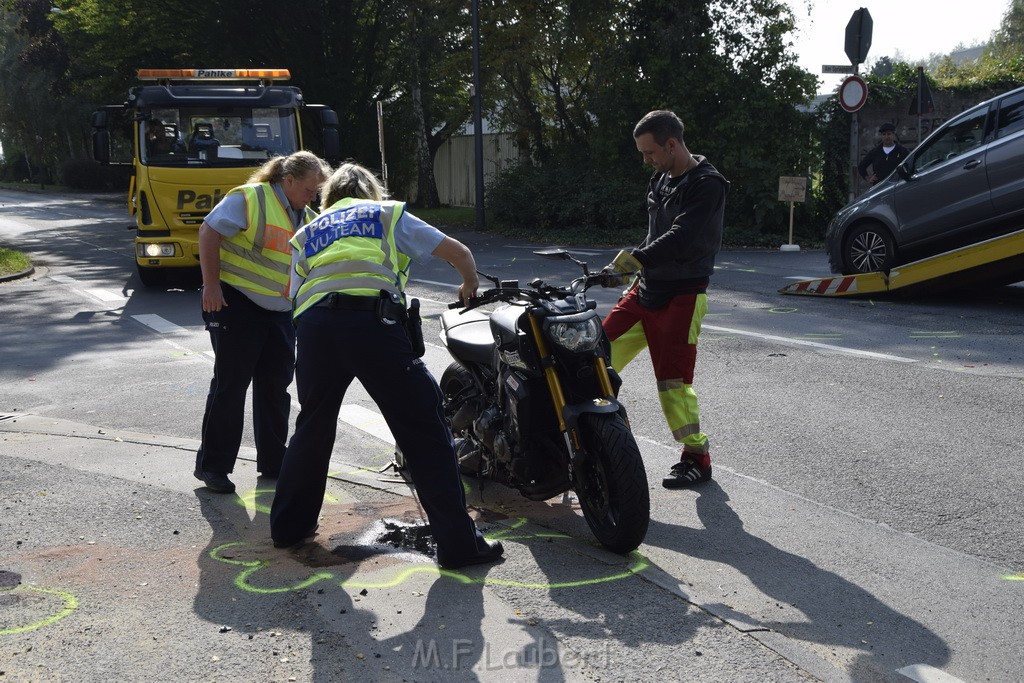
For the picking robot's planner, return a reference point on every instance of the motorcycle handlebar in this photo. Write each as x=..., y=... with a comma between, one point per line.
x=543, y=291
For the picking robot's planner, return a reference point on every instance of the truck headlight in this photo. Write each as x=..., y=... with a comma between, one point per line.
x=155, y=249
x=575, y=333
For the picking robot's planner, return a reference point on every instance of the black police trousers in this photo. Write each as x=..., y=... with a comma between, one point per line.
x=252, y=346
x=336, y=346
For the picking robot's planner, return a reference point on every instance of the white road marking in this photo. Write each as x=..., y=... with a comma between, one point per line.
x=816, y=345
x=922, y=673
x=804, y=277
x=435, y=282
x=106, y=295
x=366, y=420
x=159, y=324
x=64, y=279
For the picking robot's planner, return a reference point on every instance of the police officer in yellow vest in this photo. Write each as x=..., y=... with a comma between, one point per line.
x=352, y=264
x=245, y=257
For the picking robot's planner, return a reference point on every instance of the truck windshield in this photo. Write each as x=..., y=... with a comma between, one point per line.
x=216, y=136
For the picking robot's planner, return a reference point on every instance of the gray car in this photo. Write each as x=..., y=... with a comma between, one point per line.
x=963, y=184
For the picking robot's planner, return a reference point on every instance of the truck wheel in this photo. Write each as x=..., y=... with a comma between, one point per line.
x=869, y=248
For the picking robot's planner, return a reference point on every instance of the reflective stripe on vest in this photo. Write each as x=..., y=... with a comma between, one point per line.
x=259, y=258
x=349, y=248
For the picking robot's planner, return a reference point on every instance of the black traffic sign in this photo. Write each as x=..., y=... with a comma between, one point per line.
x=858, y=36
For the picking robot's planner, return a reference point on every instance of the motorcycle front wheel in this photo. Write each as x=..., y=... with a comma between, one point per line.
x=612, y=483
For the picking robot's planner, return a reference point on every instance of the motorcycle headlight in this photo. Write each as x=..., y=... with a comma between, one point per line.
x=575, y=334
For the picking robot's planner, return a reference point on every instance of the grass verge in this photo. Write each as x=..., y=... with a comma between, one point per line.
x=12, y=261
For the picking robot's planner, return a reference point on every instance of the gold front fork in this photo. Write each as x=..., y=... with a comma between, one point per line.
x=554, y=386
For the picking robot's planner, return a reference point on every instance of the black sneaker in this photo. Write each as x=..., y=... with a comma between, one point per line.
x=217, y=482
x=686, y=473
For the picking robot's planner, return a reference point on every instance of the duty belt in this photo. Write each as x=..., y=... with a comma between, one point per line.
x=348, y=302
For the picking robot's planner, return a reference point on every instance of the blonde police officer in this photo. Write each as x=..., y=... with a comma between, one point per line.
x=245, y=258
x=352, y=264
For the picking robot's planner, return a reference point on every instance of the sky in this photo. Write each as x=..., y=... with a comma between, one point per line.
x=916, y=28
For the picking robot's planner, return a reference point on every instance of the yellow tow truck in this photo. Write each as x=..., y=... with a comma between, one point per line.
x=193, y=135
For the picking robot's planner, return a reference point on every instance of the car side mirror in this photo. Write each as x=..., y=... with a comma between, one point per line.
x=903, y=171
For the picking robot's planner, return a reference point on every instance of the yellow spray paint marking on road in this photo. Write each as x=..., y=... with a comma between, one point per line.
x=249, y=568
x=70, y=605
x=1014, y=577
x=251, y=500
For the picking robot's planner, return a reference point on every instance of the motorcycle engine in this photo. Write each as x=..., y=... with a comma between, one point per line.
x=487, y=425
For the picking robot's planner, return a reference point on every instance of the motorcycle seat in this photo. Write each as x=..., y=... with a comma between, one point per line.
x=469, y=336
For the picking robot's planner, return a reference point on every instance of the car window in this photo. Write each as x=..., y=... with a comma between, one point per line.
x=1011, y=115
x=958, y=138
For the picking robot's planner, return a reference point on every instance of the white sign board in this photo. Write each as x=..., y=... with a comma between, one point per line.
x=792, y=189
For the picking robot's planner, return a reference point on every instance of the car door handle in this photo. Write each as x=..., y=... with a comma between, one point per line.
x=971, y=164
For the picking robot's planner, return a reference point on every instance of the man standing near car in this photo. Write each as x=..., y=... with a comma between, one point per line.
x=884, y=158
x=686, y=208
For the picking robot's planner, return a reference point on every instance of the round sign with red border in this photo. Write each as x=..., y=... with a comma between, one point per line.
x=853, y=93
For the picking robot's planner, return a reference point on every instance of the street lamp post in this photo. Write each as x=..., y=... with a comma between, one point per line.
x=478, y=139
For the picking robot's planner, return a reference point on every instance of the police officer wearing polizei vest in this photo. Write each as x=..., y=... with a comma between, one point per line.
x=352, y=264
x=245, y=257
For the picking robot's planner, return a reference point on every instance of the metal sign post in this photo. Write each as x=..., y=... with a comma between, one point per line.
x=792, y=189
x=858, y=42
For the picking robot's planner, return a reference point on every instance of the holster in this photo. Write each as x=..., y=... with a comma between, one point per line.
x=391, y=311
x=414, y=328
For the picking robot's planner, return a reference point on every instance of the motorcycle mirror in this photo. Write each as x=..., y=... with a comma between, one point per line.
x=561, y=255
x=554, y=254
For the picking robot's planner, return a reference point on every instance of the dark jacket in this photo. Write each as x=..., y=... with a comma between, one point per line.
x=684, y=234
x=882, y=164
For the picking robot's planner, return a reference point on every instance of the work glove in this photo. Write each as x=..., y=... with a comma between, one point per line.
x=623, y=267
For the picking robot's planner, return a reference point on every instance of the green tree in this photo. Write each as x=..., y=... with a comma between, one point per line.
x=1008, y=41
x=38, y=120
x=727, y=68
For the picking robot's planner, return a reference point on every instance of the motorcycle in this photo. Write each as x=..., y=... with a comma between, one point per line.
x=531, y=400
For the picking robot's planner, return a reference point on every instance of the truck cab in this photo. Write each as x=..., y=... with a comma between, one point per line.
x=194, y=135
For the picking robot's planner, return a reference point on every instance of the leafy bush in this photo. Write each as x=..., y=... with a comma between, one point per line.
x=85, y=174
x=568, y=197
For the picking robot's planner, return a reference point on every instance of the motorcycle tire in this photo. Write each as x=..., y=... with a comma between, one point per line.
x=612, y=483
x=454, y=380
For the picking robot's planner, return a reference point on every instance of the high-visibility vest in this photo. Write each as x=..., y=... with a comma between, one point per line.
x=259, y=258
x=350, y=248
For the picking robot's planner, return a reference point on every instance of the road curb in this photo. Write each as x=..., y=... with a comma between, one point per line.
x=17, y=276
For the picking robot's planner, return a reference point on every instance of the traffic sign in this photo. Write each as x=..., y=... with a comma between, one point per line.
x=858, y=36
x=853, y=93
x=837, y=69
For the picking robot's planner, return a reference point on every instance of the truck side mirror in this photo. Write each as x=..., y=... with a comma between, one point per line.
x=101, y=146
x=100, y=137
x=332, y=138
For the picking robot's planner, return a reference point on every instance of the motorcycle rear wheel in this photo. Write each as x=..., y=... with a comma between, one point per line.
x=612, y=484
x=454, y=381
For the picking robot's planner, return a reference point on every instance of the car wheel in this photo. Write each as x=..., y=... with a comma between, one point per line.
x=869, y=249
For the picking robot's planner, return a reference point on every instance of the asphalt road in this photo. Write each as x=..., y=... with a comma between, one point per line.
x=867, y=453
